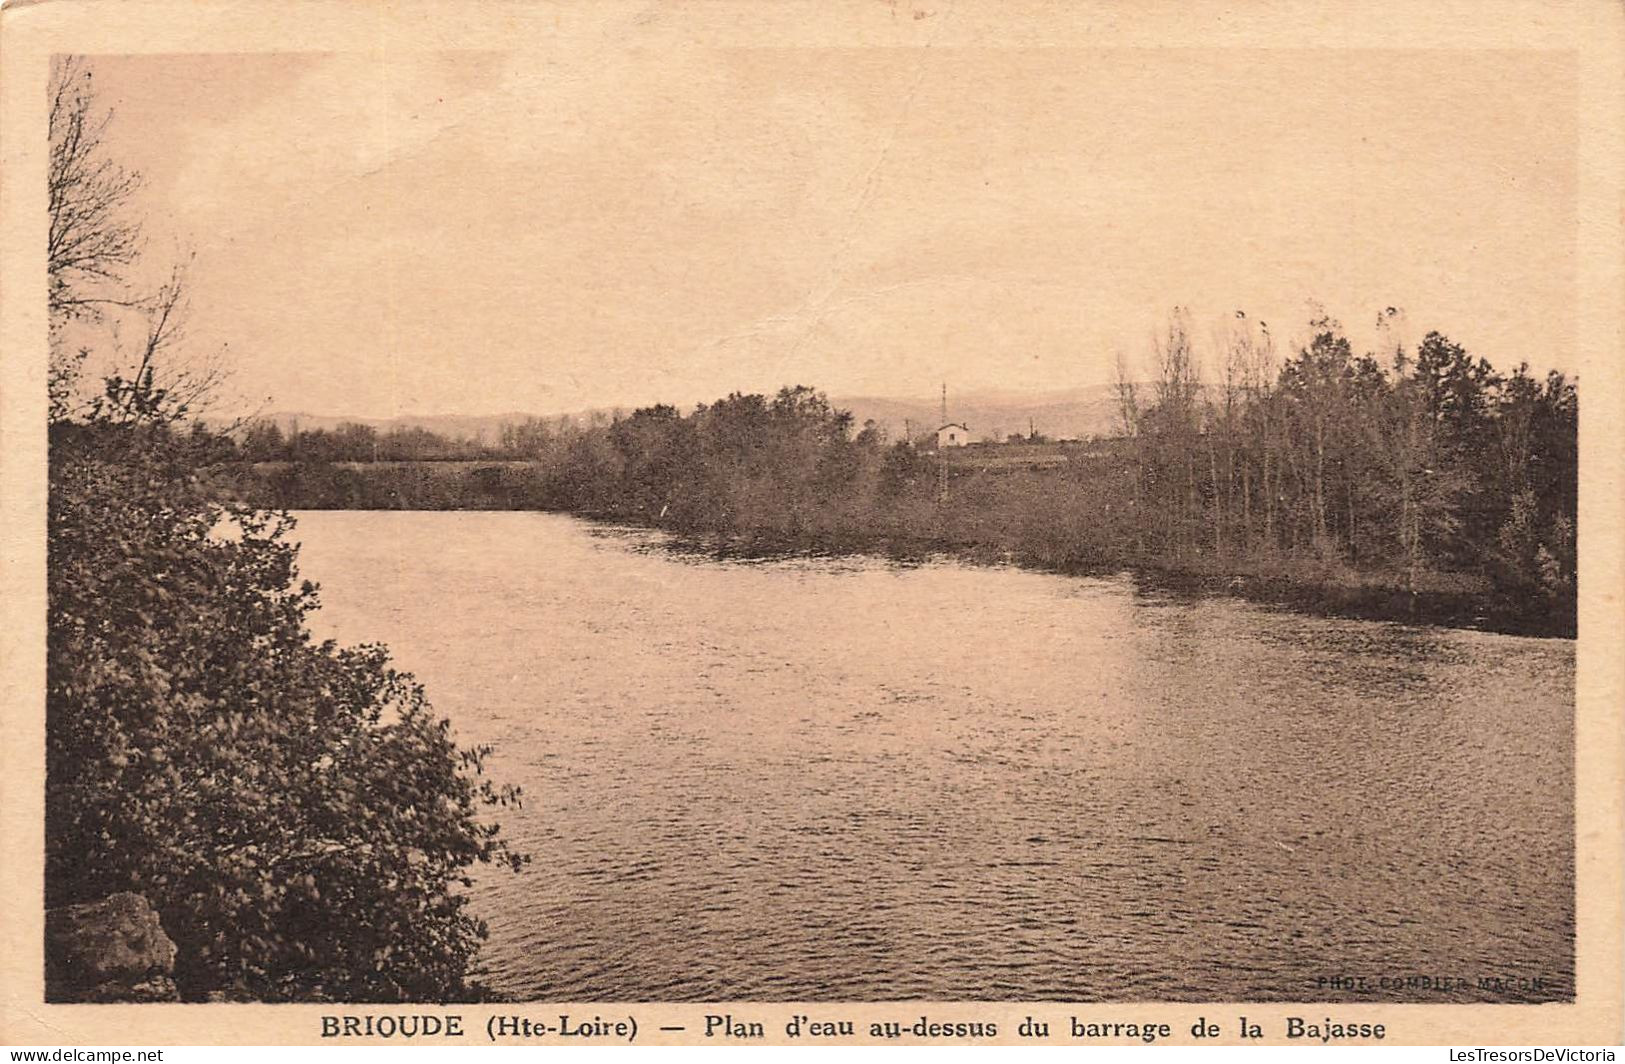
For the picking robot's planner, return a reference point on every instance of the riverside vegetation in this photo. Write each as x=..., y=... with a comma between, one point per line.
x=298, y=818
x=1422, y=486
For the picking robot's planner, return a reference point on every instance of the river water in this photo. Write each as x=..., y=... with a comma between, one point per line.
x=850, y=779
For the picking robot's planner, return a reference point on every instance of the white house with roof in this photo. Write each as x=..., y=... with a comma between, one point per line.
x=952, y=434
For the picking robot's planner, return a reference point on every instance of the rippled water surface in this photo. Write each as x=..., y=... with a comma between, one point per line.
x=849, y=779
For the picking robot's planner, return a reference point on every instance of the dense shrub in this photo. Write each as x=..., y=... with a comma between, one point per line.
x=297, y=815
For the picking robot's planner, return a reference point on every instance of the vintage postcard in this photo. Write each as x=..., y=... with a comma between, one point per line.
x=884, y=522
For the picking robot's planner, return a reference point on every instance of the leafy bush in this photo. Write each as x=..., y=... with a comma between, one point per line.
x=293, y=809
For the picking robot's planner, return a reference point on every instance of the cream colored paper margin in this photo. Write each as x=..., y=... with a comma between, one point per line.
x=1592, y=32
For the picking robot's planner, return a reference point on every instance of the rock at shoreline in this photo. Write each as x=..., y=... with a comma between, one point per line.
x=109, y=950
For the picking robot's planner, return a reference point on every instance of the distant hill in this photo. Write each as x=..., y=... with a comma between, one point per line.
x=1073, y=414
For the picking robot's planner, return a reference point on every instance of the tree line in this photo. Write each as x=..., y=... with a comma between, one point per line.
x=265, y=441
x=1411, y=461
x=1335, y=478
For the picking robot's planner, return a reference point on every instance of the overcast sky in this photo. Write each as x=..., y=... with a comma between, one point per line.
x=479, y=233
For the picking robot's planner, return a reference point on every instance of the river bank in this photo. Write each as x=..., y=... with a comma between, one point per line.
x=1036, y=522
x=1328, y=590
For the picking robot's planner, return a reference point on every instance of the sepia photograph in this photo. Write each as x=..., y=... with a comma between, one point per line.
x=905, y=517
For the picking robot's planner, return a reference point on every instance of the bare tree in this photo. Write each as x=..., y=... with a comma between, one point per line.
x=92, y=240
x=1178, y=391
x=162, y=386
x=1128, y=403
x=1128, y=410
x=91, y=243
x=94, y=243
x=1233, y=339
x=1259, y=371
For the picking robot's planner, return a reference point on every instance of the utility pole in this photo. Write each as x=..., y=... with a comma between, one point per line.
x=942, y=452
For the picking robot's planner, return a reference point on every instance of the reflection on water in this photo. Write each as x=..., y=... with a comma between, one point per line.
x=841, y=778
